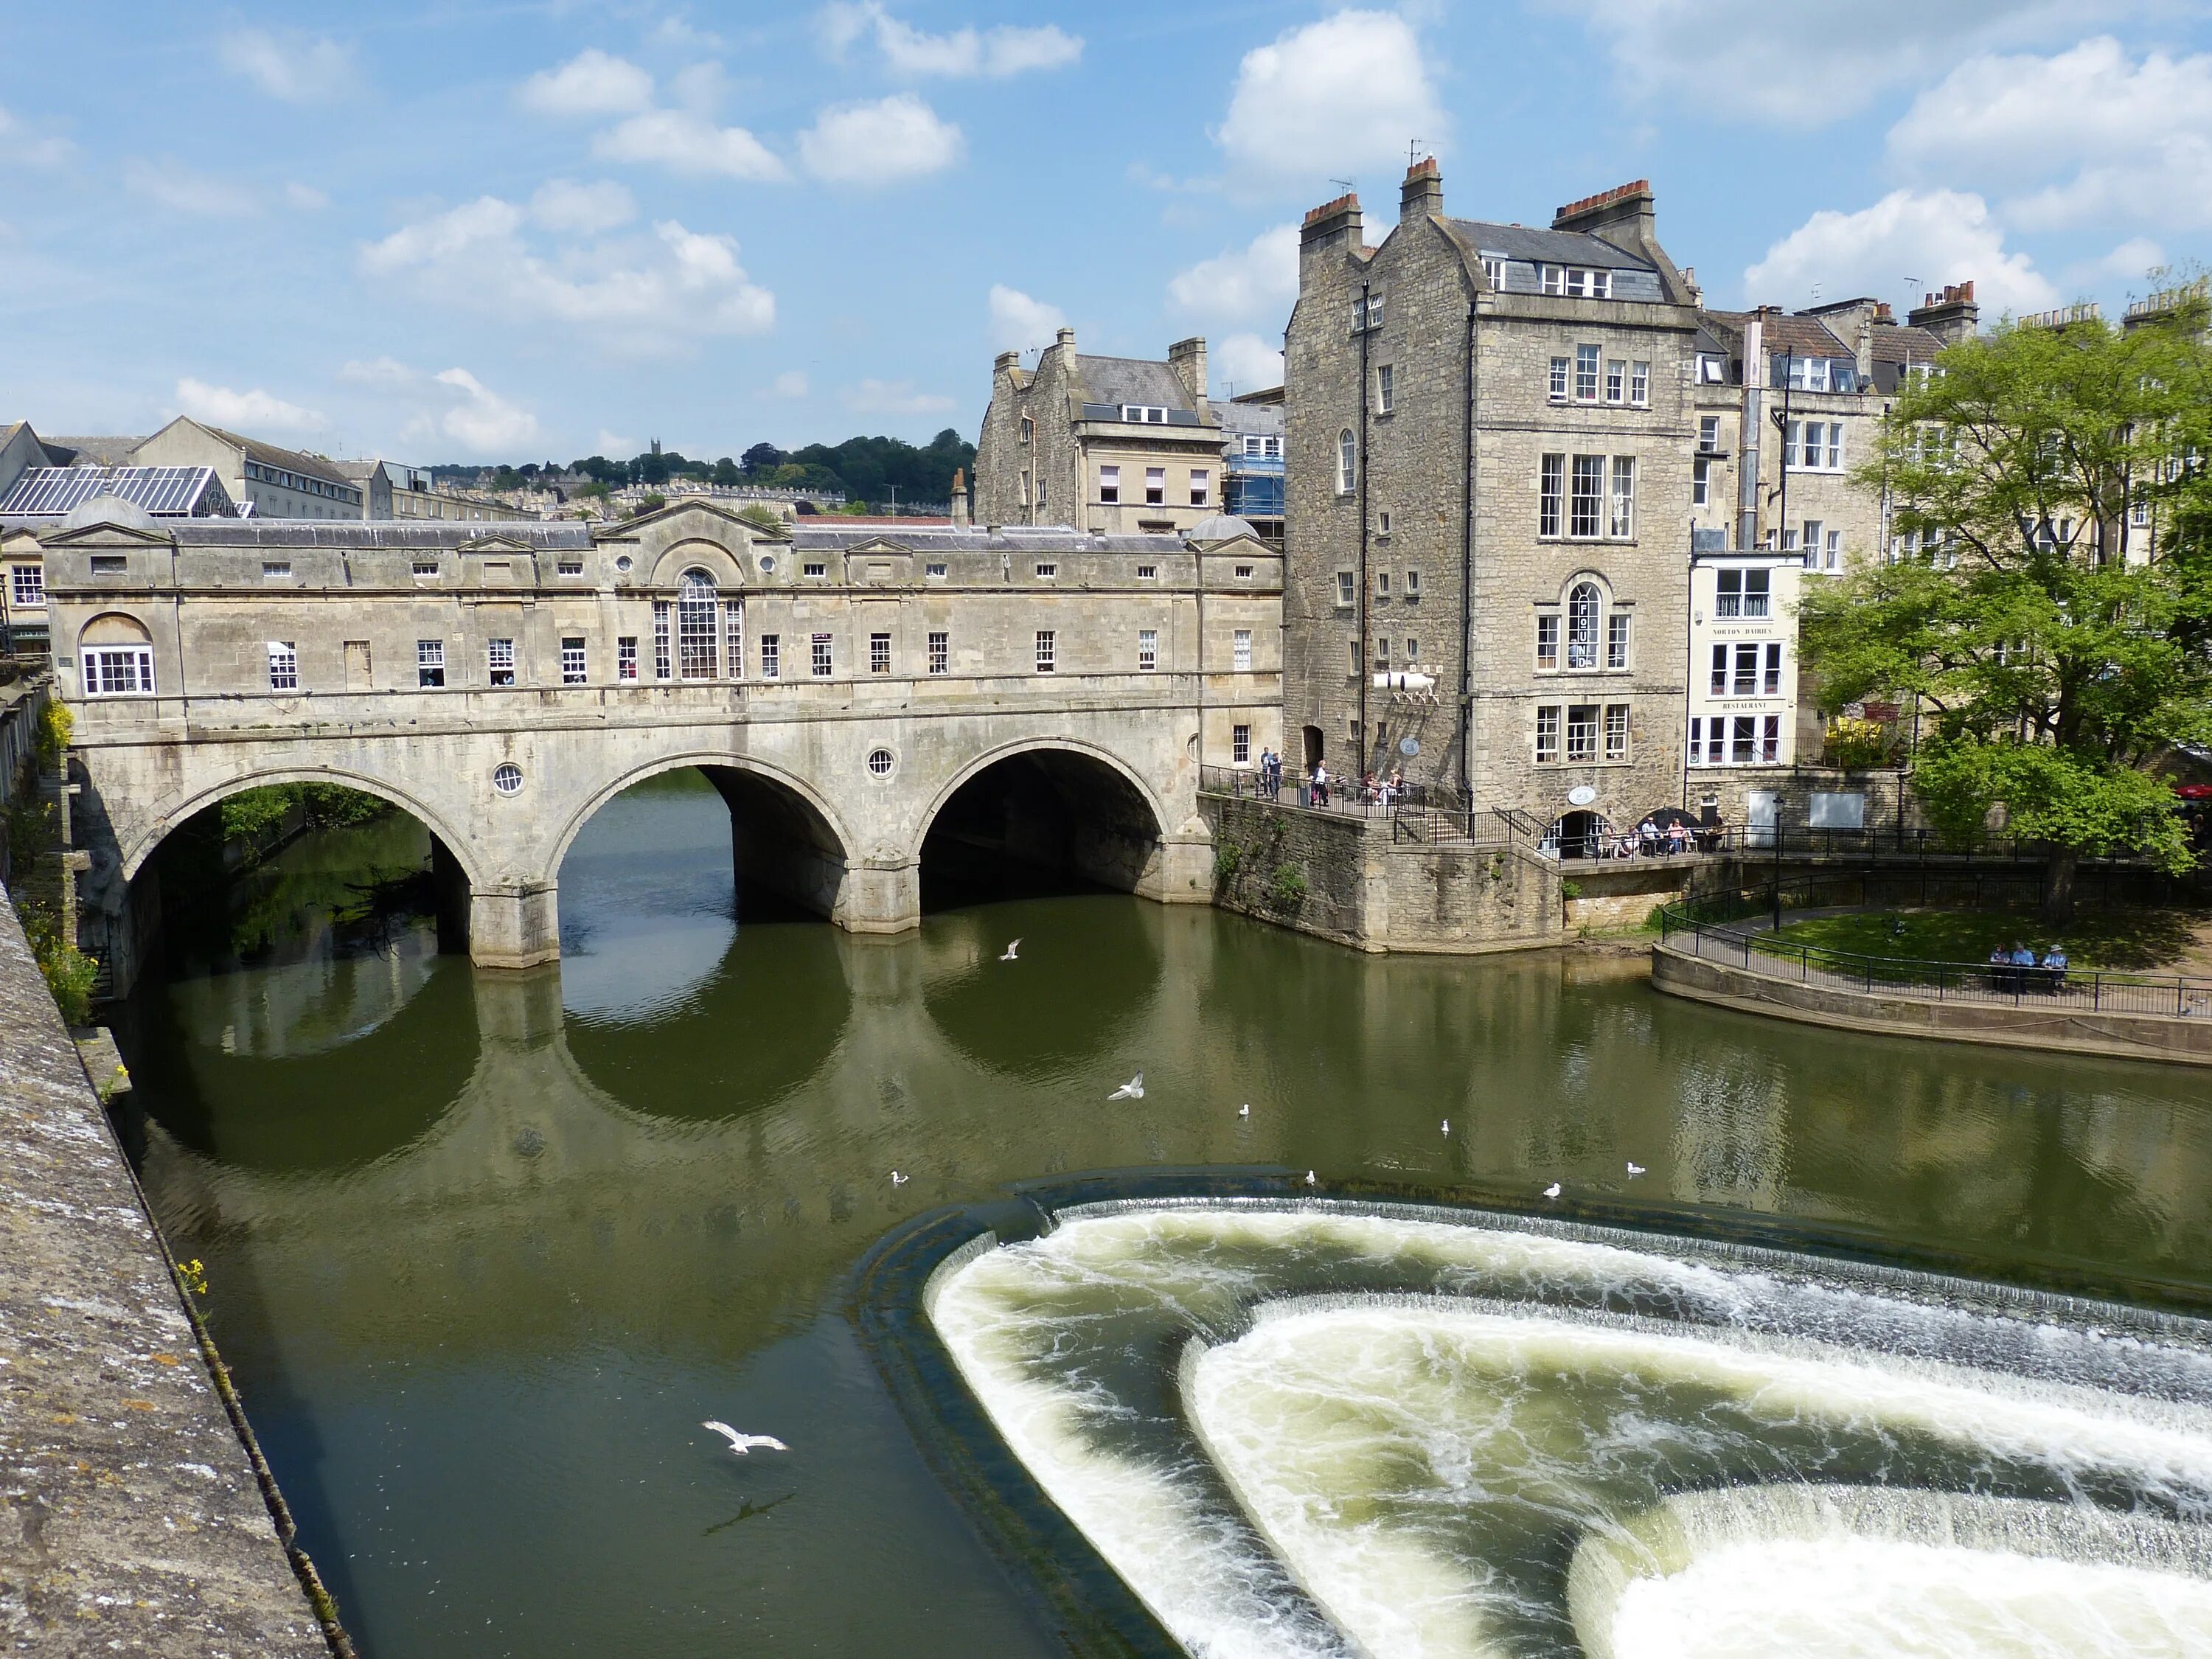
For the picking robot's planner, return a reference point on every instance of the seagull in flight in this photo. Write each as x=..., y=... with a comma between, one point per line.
x=1132, y=1090
x=1634, y=1169
x=1551, y=1191
x=1011, y=952
x=898, y=1179
x=741, y=1444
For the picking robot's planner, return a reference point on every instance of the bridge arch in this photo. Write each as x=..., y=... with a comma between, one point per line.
x=1057, y=804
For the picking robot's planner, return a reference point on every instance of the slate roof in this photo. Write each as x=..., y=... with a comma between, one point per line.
x=1009, y=538
x=1556, y=247
x=1238, y=415
x=566, y=535
x=1897, y=343
x=1131, y=380
x=292, y=460
x=91, y=452
x=1805, y=337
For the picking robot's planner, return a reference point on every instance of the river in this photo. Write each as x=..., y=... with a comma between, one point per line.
x=485, y=1251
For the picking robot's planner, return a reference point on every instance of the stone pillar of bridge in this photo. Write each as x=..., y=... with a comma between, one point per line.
x=1185, y=867
x=880, y=897
x=515, y=925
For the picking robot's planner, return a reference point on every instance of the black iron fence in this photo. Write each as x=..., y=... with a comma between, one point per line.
x=1737, y=929
x=1421, y=813
x=1891, y=844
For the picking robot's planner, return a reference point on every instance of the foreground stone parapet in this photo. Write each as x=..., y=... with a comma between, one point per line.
x=131, y=1517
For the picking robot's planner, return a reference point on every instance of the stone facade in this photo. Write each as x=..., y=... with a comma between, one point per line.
x=1420, y=540
x=840, y=684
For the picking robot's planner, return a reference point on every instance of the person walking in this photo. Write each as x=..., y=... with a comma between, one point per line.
x=1320, y=784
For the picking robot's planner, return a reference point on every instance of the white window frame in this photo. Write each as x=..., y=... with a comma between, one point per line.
x=1048, y=651
x=1240, y=651
x=1562, y=371
x=1148, y=650
x=879, y=652
x=1347, y=462
x=1110, y=485
x=499, y=660
x=1589, y=367
x=283, y=665
x=1201, y=486
x=1385, y=387
x=430, y=659
x=572, y=660
x=771, y=656
x=1240, y=746
x=821, y=660
x=27, y=585
x=1156, y=486
x=1639, y=383
x=941, y=651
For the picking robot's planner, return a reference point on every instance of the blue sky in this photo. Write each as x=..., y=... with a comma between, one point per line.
x=533, y=231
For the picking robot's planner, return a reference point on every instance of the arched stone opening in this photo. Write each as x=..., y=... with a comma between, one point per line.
x=1041, y=820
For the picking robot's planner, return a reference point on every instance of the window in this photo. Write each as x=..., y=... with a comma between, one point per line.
x=1620, y=523
x=1040, y=487
x=109, y=564
x=933, y=571
x=570, y=568
x=1559, y=367
x=1728, y=593
x=733, y=636
x=880, y=762
x=1745, y=683
x=1381, y=654
x=283, y=665
x=824, y=662
x=1357, y=668
x=1547, y=732
x=1814, y=446
x=1046, y=573
x=1156, y=486
x=1581, y=625
x=116, y=670
x=1711, y=370
x=1589, y=493
x=1835, y=550
x=1413, y=651
x=28, y=583
x=771, y=656
x=1374, y=312
x=1344, y=593
x=1240, y=648
x=626, y=657
x=1047, y=653
x=1616, y=640
x=1720, y=671
x=1582, y=732
x=1493, y=272
x=1639, y=383
x=276, y=570
x=1709, y=434
x=1029, y=429
x=1811, y=542
x=818, y=570
x=429, y=663
x=697, y=625
x=1758, y=586
x=506, y=778
x=499, y=661
x=1808, y=373
x=2139, y=510
x=1240, y=746
x=1146, y=573
x=1201, y=485
x=1549, y=489
x=940, y=651
x=1770, y=742
x=572, y=660
x=1701, y=481
x=1382, y=584
x=661, y=658
x=1109, y=483
x=1413, y=586
x=1616, y=380
x=1144, y=415
x=1743, y=739
x=1616, y=730
x=1771, y=684
x=1586, y=373
x=1021, y=496
x=1347, y=463
x=1385, y=387
x=1547, y=641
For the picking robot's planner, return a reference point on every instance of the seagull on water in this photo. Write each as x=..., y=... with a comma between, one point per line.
x=1446, y=1126
x=1245, y=1110
x=741, y=1444
x=898, y=1179
x=1132, y=1090
x=1009, y=953
x=1551, y=1191
x=1309, y=1180
x=1634, y=1169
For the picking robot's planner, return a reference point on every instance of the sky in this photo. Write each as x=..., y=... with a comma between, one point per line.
x=513, y=231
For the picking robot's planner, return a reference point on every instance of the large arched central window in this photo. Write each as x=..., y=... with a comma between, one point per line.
x=1583, y=607
x=697, y=626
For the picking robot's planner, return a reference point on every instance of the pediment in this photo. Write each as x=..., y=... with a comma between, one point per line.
x=105, y=535
x=496, y=544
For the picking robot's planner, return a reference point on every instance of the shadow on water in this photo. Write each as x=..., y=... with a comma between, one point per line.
x=1088, y=968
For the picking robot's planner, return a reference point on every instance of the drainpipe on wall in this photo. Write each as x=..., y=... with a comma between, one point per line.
x=1359, y=500
x=1467, y=587
x=1747, y=440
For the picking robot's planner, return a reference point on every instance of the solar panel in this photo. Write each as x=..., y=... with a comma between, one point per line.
x=165, y=492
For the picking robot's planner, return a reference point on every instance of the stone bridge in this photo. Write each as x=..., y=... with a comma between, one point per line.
x=862, y=697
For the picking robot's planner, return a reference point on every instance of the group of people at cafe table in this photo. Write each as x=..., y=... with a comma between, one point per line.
x=2018, y=970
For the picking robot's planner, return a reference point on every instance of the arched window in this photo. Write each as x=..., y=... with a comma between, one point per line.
x=1583, y=607
x=697, y=623
x=117, y=655
x=1347, y=463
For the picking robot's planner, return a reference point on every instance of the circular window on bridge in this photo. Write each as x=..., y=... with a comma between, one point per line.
x=880, y=763
x=506, y=778
x=768, y=564
x=623, y=562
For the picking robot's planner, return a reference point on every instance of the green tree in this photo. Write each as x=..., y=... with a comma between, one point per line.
x=2058, y=661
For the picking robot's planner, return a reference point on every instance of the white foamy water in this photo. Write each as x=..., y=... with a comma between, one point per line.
x=1322, y=1430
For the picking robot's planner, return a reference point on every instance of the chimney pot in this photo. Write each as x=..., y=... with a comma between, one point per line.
x=1423, y=192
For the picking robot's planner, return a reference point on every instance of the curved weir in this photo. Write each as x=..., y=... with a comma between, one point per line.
x=1319, y=1427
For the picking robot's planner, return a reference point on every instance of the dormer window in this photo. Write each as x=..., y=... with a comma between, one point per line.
x=1145, y=413
x=1712, y=370
x=1578, y=281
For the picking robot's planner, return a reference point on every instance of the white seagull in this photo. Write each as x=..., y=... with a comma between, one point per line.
x=1551, y=1191
x=1309, y=1180
x=1009, y=953
x=1132, y=1090
x=898, y=1179
x=1446, y=1126
x=1634, y=1170
x=1245, y=1110
x=741, y=1444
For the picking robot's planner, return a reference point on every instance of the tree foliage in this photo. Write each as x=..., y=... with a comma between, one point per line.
x=2055, y=661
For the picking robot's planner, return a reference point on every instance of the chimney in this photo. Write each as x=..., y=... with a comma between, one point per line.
x=1423, y=192
x=1187, y=359
x=959, y=498
x=1005, y=361
x=1951, y=316
x=1624, y=215
x=1329, y=224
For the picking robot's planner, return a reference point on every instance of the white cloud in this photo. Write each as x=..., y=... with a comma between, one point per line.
x=18, y=143
x=2087, y=136
x=1259, y=280
x=590, y=83
x=478, y=418
x=684, y=36
x=1018, y=322
x=1004, y=51
x=685, y=141
x=1791, y=64
x=169, y=183
x=895, y=138
x=306, y=197
x=638, y=290
x=1245, y=362
x=563, y=204
x=2132, y=260
x=253, y=411
x=298, y=69
x=1350, y=91
x=792, y=383
x=893, y=398
x=1934, y=237
x=376, y=371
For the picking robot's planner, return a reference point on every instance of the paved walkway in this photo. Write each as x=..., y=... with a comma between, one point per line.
x=131, y=1521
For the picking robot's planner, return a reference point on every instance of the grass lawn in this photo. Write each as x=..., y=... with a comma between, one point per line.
x=2174, y=941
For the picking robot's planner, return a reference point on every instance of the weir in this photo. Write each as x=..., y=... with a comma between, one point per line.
x=1321, y=1427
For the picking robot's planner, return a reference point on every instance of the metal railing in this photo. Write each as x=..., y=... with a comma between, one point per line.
x=1423, y=814
x=1717, y=929
x=1916, y=846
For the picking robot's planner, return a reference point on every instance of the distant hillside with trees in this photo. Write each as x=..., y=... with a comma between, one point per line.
x=861, y=469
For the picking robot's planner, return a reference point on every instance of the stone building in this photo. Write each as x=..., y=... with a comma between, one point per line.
x=1489, y=434
x=277, y=484
x=1115, y=445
